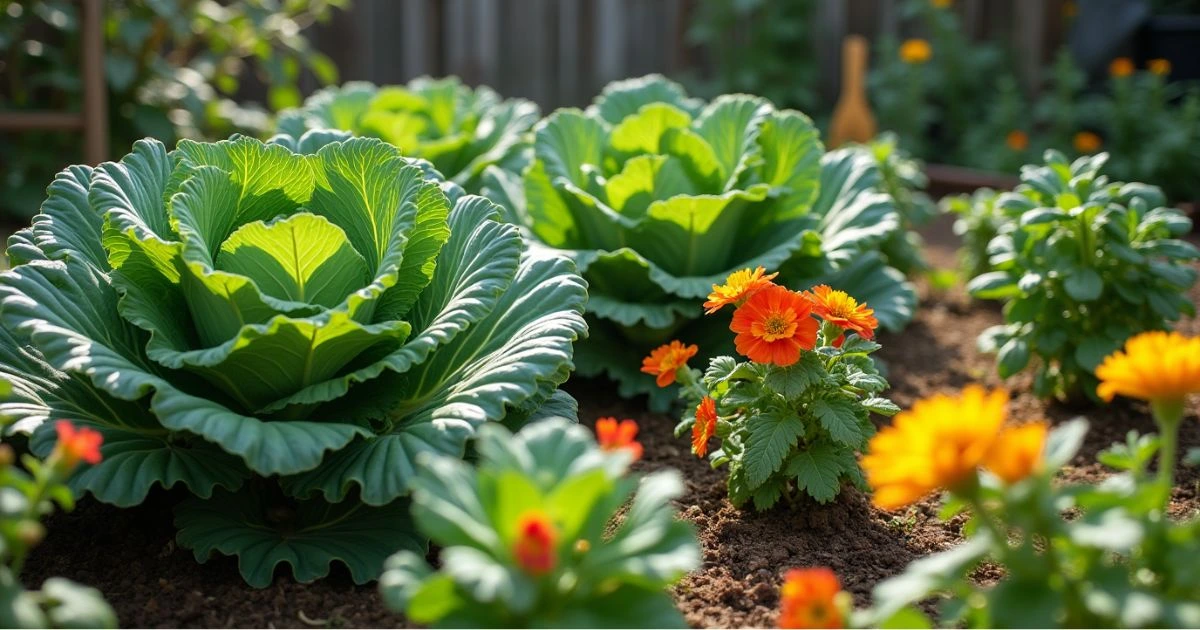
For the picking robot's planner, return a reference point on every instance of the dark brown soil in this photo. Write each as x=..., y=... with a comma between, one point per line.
x=130, y=555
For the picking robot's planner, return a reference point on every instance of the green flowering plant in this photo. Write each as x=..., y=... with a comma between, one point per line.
x=1082, y=263
x=547, y=531
x=281, y=330
x=460, y=130
x=657, y=197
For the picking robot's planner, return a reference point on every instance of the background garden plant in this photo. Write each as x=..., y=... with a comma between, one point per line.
x=281, y=333
x=1082, y=263
x=460, y=130
x=658, y=196
x=534, y=537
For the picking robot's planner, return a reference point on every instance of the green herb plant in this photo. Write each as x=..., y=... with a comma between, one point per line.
x=977, y=222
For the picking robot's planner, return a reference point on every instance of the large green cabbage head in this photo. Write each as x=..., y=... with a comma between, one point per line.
x=657, y=197
x=459, y=130
x=280, y=333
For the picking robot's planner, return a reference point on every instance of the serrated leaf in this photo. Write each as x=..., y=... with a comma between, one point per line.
x=841, y=418
x=772, y=435
x=817, y=470
x=792, y=381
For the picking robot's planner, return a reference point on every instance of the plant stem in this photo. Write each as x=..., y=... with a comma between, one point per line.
x=1168, y=414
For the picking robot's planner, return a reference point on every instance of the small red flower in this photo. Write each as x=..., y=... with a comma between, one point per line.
x=705, y=426
x=774, y=325
x=614, y=436
x=76, y=445
x=808, y=599
x=536, y=547
x=666, y=360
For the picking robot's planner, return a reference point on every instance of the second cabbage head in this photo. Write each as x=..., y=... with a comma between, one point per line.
x=658, y=196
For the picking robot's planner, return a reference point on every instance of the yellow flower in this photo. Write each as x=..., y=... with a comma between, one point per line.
x=1121, y=67
x=739, y=286
x=939, y=443
x=1161, y=67
x=1017, y=452
x=1087, y=142
x=942, y=4
x=915, y=51
x=1154, y=366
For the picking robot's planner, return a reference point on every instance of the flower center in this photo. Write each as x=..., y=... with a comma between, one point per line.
x=778, y=325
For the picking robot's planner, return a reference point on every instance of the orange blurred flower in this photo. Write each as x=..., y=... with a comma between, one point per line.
x=666, y=360
x=535, y=548
x=808, y=599
x=1070, y=9
x=942, y=4
x=705, y=426
x=1017, y=452
x=1153, y=366
x=615, y=436
x=738, y=286
x=1087, y=142
x=839, y=309
x=1161, y=67
x=1017, y=140
x=1121, y=67
x=915, y=51
x=75, y=445
x=774, y=325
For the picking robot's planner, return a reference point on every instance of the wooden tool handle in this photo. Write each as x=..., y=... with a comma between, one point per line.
x=854, y=66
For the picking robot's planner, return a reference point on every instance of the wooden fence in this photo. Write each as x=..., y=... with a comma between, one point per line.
x=561, y=52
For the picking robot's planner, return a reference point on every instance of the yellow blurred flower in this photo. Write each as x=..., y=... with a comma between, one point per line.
x=1070, y=9
x=1121, y=67
x=1161, y=67
x=1017, y=452
x=916, y=51
x=942, y=4
x=1017, y=140
x=939, y=443
x=1087, y=142
x=1154, y=366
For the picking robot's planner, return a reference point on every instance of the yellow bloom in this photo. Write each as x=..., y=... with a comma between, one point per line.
x=1017, y=452
x=916, y=51
x=942, y=4
x=939, y=443
x=1161, y=67
x=739, y=286
x=1154, y=366
x=1087, y=142
x=1121, y=67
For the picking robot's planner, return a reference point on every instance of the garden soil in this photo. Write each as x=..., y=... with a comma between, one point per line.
x=131, y=556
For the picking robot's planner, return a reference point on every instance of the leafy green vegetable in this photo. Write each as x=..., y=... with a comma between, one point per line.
x=658, y=196
x=532, y=537
x=281, y=333
x=460, y=130
x=1082, y=263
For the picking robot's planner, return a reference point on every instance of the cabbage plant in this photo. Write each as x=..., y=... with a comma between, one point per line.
x=658, y=196
x=459, y=130
x=281, y=333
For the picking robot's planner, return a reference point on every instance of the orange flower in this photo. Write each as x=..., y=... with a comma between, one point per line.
x=1121, y=67
x=537, y=538
x=1070, y=9
x=738, y=286
x=1017, y=452
x=915, y=51
x=1161, y=67
x=1154, y=366
x=808, y=599
x=76, y=445
x=1017, y=140
x=705, y=426
x=1087, y=142
x=839, y=309
x=666, y=360
x=774, y=325
x=943, y=4
x=614, y=436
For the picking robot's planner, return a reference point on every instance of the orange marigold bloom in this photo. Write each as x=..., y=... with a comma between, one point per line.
x=666, y=360
x=1161, y=67
x=1017, y=140
x=77, y=445
x=1087, y=142
x=915, y=51
x=535, y=549
x=774, y=325
x=1154, y=366
x=614, y=436
x=839, y=309
x=939, y=443
x=1121, y=67
x=808, y=599
x=705, y=426
x=1017, y=452
x=738, y=286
